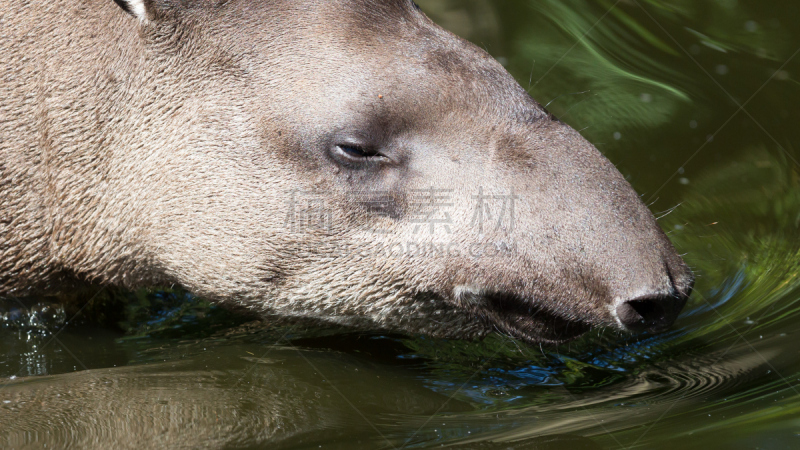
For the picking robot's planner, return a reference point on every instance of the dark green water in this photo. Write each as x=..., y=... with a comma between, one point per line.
x=696, y=103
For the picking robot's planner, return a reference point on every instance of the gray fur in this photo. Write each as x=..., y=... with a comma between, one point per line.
x=163, y=151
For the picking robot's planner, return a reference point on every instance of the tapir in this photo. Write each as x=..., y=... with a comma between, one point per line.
x=343, y=161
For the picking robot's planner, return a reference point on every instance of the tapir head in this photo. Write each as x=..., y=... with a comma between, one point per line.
x=350, y=161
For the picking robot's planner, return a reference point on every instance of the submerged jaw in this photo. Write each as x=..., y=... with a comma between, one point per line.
x=533, y=325
x=511, y=314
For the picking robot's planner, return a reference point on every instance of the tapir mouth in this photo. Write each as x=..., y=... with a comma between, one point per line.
x=523, y=319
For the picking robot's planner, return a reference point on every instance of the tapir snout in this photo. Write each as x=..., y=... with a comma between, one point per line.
x=586, y=250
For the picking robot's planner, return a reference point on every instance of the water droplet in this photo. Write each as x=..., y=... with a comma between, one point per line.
x=722, y=69
x=617, y=135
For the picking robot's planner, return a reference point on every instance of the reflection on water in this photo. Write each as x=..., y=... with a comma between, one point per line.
x=659, y=87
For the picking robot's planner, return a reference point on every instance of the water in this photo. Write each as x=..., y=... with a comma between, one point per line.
x=696, y=104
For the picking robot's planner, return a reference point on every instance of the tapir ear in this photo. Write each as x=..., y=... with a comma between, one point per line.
x=141, y=9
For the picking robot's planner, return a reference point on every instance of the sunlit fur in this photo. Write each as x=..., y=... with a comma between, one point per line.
x=164, y=152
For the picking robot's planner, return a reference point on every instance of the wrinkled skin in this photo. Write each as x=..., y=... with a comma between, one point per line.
x=276, y=155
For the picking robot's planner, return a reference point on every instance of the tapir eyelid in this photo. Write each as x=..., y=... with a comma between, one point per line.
x=353, y=154
x=355, y=151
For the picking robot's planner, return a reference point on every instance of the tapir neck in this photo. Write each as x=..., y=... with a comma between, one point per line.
x=53, y=159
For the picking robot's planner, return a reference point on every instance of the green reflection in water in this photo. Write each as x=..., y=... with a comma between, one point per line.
x=657, y=86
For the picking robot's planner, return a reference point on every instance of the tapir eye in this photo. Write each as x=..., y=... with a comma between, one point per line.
x=354, y=151
x=356, y=155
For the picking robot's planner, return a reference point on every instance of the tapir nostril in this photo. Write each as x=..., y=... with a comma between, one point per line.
x=654, y=313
